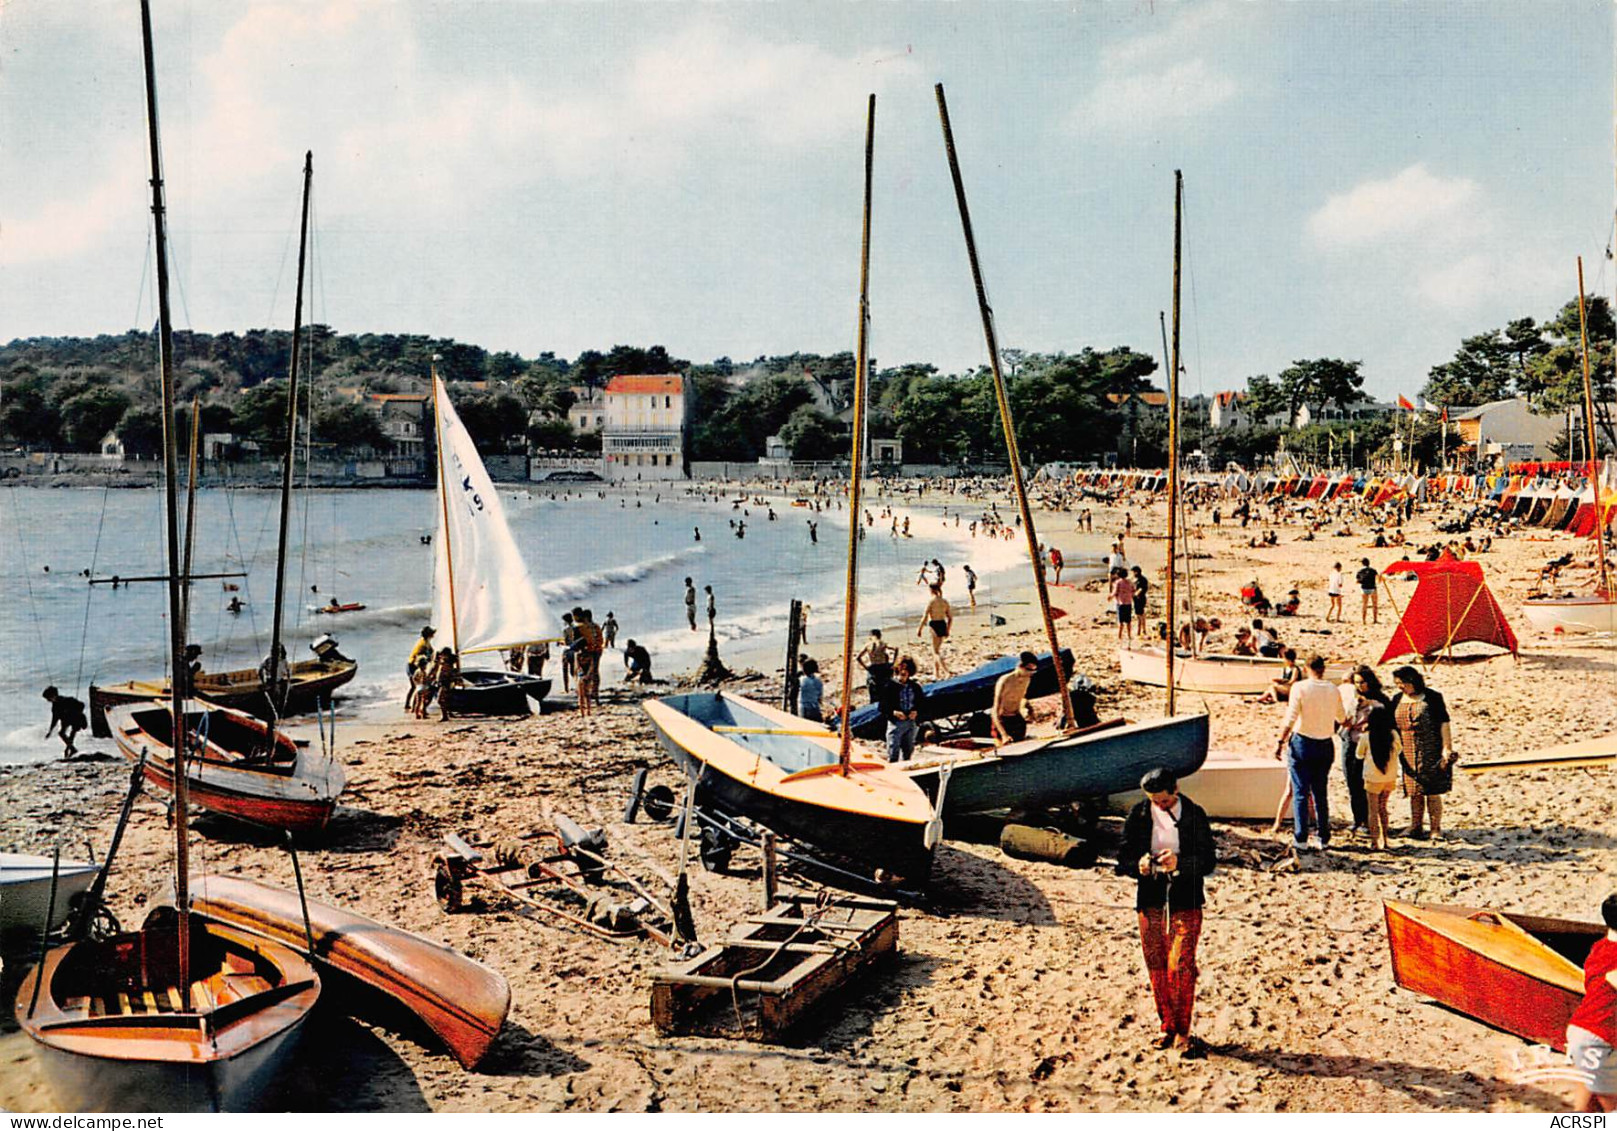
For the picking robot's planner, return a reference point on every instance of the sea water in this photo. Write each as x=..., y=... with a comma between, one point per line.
x=627, y=553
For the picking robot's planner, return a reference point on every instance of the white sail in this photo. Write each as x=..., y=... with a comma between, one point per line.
x=494, y=603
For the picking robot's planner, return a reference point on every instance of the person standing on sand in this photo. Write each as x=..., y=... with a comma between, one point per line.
x=1333, y=590
x=1010, y=700
x=1168, y=850
x=971, y=582
x=444, y=676
x=877, y=660
x=1123, y=602
x=1373, y=727
x=1369, y=600
x=712, y=608
x=1425, y=742
x=939, y=620
x=690, y=603
x=901, y=706
x=1056, y=562
x=1591, y=1032
x=609, y=629
x=1313, y=710
x=1141, y=588
x=569, y=656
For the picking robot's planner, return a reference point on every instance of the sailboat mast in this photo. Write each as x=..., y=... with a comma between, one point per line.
x=176, y=620
x=1173, y=434
x=1589, y=437
x=190, y=513
x=274, y=690
x=1000, y=395
x=443, y=502
x=850, y=603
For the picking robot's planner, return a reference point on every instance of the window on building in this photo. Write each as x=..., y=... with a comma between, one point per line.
x=668, y=402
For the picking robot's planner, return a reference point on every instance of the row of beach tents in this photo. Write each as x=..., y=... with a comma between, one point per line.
x=1552, y=496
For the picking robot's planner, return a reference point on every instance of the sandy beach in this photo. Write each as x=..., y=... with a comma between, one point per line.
x=1019, y=986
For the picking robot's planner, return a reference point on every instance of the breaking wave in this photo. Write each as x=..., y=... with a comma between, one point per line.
x=579, y=584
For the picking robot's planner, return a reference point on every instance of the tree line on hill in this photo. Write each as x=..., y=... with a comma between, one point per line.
x=65, y=394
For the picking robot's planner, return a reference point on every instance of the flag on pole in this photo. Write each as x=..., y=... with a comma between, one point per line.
x=1445, y=414
x=1403, y=403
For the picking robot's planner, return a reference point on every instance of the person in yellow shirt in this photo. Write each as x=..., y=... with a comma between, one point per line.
x=420, y=656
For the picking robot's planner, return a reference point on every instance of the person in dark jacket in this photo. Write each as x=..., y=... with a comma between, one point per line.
x=901, y=707
x=1168, y=849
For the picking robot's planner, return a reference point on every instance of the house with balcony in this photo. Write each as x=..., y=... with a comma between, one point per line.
x=646, y=423
x=404, y=422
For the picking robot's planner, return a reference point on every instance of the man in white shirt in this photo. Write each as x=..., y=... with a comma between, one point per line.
x=1313, y=710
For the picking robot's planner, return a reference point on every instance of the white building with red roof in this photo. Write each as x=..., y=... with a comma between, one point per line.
x=646, y=423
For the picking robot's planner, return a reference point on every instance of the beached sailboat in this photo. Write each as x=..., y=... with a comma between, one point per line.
x=1075, y=764
x=965, y=693
x=1519, y=973
x=773, y=768
x=236, y=765
x=302, y=686
x=1597, y=611
x=184, y=1014
x=482, y=588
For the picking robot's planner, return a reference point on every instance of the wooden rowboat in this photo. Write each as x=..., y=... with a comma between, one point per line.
x=1519, y=973
x=115, y=1033
x=312, y=683
x=1210, y=673
x=1591, y=613
x=755, y=762
x=1589, y=753
x=462, y=1001
x=231, y=767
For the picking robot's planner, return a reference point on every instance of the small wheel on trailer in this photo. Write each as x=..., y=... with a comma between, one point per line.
x=717, y=845
x=658, y=803
x=446, y=886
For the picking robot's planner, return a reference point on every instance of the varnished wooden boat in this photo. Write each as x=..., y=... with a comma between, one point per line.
x=751, y=761
x=25, y=891
x=462, y=1001
x=114, y=1032
x=1209, y=673
x=313, y=682
x=231, y=767
x=1588, y=753
x=1519, y=973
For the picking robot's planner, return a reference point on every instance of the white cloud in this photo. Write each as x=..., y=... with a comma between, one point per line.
x=1490, y=279
x=1161, y=75
x=1140, y=100
x=1414, y=205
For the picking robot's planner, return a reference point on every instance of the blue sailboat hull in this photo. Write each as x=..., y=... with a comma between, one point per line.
x=965, y=693
x=1029, y=776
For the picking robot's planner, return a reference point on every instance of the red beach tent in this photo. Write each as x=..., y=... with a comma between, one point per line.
x=1451, y=605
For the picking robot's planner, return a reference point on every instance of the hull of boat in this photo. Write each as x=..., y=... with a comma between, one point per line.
x=1239, y=787
x=873, y=815
x=108, y=1041
x=1214, y=674
x=1518, y=973
x=1586, y=754
x=1572, y=614
x=313, y=682
x=462, y=1001
x=965, y=693
x=25, y=891
x=1043, y=773
x=297, y=793
x=497, y=693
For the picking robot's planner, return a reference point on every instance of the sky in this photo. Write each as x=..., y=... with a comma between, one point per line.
x=1363, y=180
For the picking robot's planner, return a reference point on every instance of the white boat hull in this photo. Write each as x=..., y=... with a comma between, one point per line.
x=1572, y=614
x=1229, y=786
x=1214, y=674
x=25, y=890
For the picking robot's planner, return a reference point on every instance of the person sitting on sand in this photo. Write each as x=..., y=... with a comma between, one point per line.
x=1280, y=686
x=1243, y=643
x=1289, y=607
x=1168, y=850
x=811, y=692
